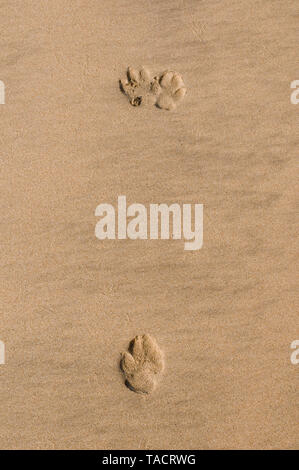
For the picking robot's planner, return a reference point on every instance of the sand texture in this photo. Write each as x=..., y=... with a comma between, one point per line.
x=216, y=128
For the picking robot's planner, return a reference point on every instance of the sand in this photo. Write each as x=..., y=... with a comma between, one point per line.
x=225, y=315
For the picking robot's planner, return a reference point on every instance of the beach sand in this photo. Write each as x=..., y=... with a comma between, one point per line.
x=224, y=316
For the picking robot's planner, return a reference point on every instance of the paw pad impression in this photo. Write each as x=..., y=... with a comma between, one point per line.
x=170, y=90
x=137, y=86
x=142, y=363
x=165, y=90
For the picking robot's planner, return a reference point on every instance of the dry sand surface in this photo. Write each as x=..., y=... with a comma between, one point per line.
x=224, y=316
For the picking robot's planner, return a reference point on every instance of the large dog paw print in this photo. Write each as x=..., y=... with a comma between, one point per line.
x=142, y=364
x=137, y=86
x=165, y=90
x=170, y=90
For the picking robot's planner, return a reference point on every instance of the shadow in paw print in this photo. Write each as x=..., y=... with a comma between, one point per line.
x=134, y=100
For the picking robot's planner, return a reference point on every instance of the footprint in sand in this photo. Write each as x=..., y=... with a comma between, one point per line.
x=165, y=91
x=170, y=90
x=137, y=87
x=142, y=364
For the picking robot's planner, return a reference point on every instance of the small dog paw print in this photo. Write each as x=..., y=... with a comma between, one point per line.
x=165, y=90
x=170, y=90
x=142, y=363
x=137, y=87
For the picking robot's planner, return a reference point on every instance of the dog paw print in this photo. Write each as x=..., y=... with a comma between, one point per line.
x=170, y=90
x=142, y=364
x=137, y=86
x=165, y=90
